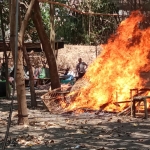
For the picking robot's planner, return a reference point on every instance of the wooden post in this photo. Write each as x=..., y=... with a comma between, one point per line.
x=145, y=107
x=131, y=97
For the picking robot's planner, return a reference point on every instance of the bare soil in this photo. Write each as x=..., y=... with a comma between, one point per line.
x=72, y=131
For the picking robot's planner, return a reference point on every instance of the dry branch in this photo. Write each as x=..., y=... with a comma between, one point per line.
x=24, y=4
x=102, y=108
x=120, y=113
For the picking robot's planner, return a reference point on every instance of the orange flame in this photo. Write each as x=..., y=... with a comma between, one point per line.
x=117, y=69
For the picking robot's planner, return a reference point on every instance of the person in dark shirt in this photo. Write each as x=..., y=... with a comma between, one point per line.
x=3, y=71
x=66, y=71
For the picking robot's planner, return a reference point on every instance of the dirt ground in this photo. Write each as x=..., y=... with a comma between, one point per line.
x=70, y=131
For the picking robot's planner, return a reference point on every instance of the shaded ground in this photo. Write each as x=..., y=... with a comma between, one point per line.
x=71, y=131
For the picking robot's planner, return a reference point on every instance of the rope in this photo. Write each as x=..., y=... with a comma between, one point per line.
x=8, y=124
x=79, y=11
x=15, y=69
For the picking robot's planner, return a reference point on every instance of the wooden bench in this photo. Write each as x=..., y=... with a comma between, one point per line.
x=52, y=97
x=39, y=81
x=140, y=99
x=39, y=93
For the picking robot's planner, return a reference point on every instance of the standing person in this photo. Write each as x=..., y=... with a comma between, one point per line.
x=81, y=68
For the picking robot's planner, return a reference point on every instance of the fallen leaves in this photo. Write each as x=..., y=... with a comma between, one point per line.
x=30, y=140
x=70, y=132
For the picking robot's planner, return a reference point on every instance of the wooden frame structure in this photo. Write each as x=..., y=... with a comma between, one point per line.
x=36, y=47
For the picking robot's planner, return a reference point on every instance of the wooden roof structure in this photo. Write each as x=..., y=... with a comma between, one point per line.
x=36, y=47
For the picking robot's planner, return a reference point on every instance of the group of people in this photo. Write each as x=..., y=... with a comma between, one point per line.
x=80, y=71
x=39, y=71
x=3, y=73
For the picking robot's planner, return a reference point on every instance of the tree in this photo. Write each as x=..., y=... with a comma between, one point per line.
x=76, y=27
x=101, y=27
x=37, y=19
x=20, y=82
x=21, y=42
x=52, y=31
x=5, y=52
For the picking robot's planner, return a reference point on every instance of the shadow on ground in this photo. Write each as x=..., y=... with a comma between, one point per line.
x=71, y=131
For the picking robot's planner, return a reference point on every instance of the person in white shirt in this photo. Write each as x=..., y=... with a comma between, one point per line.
x=69, y=74
x=81, y=68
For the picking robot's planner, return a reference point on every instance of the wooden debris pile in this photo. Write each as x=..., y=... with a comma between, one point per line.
x=53, y=97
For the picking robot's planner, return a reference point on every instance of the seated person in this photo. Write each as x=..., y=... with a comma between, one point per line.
x=3, y=73
x=35, y=72
x=66, y=71
x=11, y=80
x=25, y=72
x=26, y=76
x=68, y=75
x=10, y=74
x=42, y=73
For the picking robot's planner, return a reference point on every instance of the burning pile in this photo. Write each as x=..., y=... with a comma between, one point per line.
x=117, y=69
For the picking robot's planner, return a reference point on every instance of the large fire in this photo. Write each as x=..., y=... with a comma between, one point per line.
x=117, y=69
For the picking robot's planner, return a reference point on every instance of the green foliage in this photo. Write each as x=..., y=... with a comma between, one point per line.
x=5, y=16
x=72, y=27
x=46, y=17
x=104, y=6
x=31, y=30
x=103, y=26
x=82, y=29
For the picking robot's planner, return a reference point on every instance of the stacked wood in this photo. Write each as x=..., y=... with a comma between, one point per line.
x=78, y=84
x=53, y=97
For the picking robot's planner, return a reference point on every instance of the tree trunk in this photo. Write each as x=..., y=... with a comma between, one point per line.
x=20, y=82
x=32, y=90
x=6, y=58
x=12, y=26
x=21, y=43
x=52, y=31
x=21, y=93
x=20, y=70
x=37, y=19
